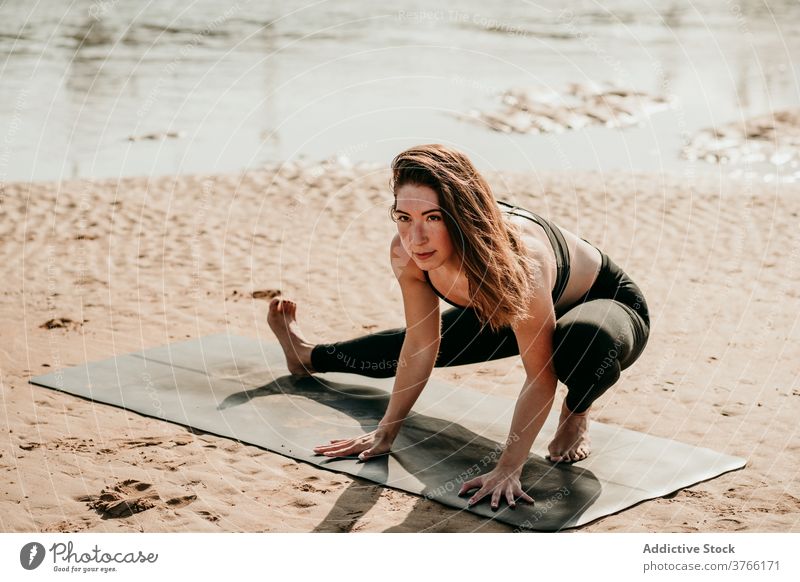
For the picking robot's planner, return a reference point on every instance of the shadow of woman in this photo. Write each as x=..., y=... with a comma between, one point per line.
x=433, y=456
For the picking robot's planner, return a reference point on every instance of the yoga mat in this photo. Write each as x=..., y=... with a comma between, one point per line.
x=239, y=387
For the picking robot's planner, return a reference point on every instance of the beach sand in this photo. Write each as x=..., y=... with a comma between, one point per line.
x=97, y=268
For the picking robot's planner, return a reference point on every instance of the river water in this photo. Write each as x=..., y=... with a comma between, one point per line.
x=221, y=87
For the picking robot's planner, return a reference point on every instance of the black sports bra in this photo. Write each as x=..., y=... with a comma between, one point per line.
x=556, y=239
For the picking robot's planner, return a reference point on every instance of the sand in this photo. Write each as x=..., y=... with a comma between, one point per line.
x=97, y=268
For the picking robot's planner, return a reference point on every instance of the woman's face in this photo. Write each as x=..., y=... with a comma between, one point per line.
x=421, y=226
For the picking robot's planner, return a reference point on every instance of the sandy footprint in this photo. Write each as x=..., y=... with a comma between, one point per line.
x=68, y=526
x=73, y=444
x=131, y=496
x=309, y=488
x=208, y=516
x=785, y=504
x=63, y=323
x=729, y=524
x=181, y=501
x=695, y=494
x=156, y=441
x=123, y=499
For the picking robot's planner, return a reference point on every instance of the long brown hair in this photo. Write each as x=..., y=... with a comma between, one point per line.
x=499, y=271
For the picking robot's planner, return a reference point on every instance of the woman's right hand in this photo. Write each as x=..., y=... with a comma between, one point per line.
x=375, y=443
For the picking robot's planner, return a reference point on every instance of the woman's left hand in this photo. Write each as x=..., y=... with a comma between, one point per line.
x=501, y=483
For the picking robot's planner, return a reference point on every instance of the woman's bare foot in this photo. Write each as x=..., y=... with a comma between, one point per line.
x=571, y=442
x=283, y=322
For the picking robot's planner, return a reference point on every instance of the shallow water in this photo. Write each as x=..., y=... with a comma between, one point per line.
x=244, y=84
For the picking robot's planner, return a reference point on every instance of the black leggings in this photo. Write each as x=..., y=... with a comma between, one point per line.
x=596, y=338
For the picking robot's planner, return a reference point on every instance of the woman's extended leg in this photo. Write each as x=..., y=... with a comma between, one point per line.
x=593, y=342
x=464, y=341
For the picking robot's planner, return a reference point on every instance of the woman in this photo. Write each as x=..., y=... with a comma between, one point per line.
x=518, y=284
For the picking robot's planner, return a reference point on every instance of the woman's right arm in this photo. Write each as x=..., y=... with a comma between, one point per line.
x=421, y=343
x=414, y=365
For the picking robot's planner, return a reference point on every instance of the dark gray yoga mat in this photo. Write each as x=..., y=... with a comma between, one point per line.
x=239, y=388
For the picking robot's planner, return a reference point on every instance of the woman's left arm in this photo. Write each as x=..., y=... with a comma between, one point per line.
x=535, y=339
